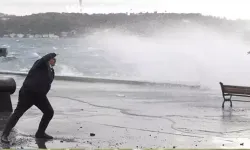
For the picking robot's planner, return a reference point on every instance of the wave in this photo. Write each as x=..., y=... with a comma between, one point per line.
x=68, y=71
x=108, y=80
x=8, y=58
x=35, y=54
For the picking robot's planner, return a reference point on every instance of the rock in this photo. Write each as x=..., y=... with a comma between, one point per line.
x=92, y=134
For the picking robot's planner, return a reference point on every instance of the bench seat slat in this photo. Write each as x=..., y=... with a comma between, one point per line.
x=242, y=95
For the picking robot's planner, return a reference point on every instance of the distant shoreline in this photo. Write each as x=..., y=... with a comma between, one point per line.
x=64, y=25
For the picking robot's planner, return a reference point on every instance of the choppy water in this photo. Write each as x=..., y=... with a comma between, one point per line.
x=75, y=58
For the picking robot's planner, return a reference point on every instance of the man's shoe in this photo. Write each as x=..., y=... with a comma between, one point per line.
x=43, y=136
x=4, y=139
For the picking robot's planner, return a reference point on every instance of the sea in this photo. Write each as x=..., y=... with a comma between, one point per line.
x=193, y=57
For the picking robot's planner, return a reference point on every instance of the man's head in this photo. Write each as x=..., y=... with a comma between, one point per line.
x=52, y=61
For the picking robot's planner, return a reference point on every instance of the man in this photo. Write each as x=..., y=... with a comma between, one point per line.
x=33, y=92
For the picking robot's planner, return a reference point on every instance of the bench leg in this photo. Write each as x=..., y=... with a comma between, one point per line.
x=231, y=103
x=227, y=99
x=223, y=104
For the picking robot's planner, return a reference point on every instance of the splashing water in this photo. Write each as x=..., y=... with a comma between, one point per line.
x=68, y=71
x=194, y=56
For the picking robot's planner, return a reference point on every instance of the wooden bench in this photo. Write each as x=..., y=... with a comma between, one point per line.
x=230, y=90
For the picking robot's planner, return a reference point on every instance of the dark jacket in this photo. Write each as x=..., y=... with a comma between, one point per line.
x=40, y=76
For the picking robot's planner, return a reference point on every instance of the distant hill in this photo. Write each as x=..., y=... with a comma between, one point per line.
x=143, y=23
x=1, y=14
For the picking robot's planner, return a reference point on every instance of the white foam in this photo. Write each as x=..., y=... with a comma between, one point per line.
x=68, y=71
x=24, y=69
x=35, y=54
x=6, y=46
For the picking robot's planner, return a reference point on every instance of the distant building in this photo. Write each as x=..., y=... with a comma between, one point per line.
x=30, y=36
x=64, y=34
x=38, y=36
x=73, y=32
x=20, y=35
x=12, y=35
x=4, y=18
x=53, y=36
x=185, y=20
x=45, y=35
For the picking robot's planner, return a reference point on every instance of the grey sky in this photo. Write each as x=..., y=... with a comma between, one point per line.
x=232, y=9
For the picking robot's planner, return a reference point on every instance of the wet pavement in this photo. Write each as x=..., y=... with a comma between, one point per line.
x=130, y=116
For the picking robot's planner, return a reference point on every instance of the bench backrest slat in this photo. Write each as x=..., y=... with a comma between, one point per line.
x=236, y=90
x=238, y=87
x=230, y=89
